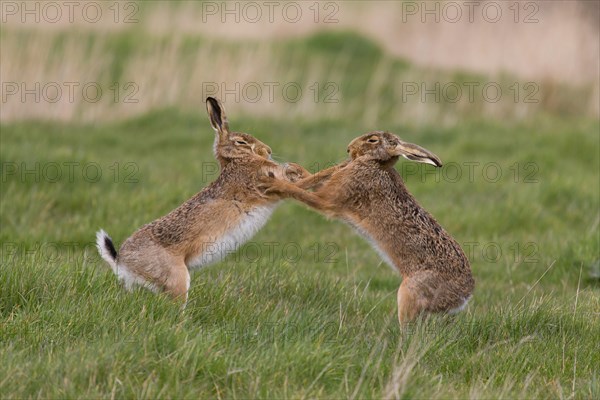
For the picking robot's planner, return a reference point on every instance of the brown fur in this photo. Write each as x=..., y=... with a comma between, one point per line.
x=368, y=193
x=159, y=253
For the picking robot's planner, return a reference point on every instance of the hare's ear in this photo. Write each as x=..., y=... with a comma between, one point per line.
x=217, y=116
x=415, y=153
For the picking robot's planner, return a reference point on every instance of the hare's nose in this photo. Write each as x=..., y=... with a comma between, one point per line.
x=348, y=150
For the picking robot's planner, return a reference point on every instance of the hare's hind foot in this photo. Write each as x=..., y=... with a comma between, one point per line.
x=461, y=306
x=172, y=279
x=131, y=280
x=427, y=292
x=177, y=284
x=408, y=304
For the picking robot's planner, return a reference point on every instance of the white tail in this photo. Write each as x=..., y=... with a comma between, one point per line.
x=107, y=250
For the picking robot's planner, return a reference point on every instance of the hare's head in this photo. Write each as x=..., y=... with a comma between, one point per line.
x=385, y=146
x=232, y=145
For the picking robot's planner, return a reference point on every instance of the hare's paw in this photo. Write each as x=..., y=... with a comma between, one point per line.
x=267, y=184
x=275, y=187
x=294, y=172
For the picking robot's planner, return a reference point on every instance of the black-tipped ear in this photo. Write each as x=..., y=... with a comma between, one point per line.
x=217, y=116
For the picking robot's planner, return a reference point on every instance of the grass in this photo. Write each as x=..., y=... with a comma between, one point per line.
x=306, y=309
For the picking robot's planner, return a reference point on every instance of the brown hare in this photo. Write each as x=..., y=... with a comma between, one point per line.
x=369, y=194
x=210, y=225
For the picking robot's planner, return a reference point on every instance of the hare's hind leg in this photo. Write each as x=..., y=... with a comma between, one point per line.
x=169, y=273
x=419, y=294
x=177, y=283
x=409, y=306
x=158, y=270
x=430, y=292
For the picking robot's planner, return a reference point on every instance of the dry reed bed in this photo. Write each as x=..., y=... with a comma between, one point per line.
x=555, y=40
x=553, y=62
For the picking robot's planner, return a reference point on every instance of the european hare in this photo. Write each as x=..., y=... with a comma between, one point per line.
x=208, y=226
x=369, y=194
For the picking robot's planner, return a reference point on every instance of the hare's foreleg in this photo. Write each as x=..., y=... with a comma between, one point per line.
x=318, y=178
x=290, y=190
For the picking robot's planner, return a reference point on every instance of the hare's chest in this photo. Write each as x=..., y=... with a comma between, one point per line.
x=235, y=235
x=362, y=231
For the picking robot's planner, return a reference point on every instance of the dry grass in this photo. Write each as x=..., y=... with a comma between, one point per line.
x=562, y=45
x=179, y=56
x=170, y=73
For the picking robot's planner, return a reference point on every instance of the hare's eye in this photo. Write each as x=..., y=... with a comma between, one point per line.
x=240, y=142
x=372, y=141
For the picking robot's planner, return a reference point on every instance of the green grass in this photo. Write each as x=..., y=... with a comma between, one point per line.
x=307, y=309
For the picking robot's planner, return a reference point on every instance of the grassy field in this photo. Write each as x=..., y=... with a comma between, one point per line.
x=306, y=309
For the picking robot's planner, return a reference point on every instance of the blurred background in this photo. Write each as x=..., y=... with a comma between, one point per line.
x=400, y=61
